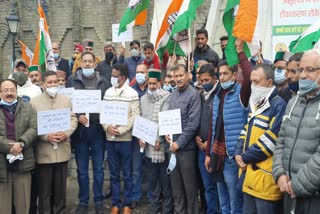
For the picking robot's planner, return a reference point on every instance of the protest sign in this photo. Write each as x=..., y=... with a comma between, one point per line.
x=170, y=122
x=53, y=121
x=86, y=101
x=145, y=130
x=114, y=113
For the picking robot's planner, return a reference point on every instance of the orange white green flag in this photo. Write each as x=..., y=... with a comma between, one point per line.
x=43, y=55
x=136, y=14
x=26, y=53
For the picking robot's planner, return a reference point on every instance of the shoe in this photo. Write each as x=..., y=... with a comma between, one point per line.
x=108, y=193
x=115, y=210
x=134, y=205
x=127, y=210
x=99, y=209
x=81, y=209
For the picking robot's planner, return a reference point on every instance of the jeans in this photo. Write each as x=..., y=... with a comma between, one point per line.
x=120, y=157
x=210, y=186
x=230, y=197
x=91, y=142
x=136, y=170
x=160, y=184
x=253, y=205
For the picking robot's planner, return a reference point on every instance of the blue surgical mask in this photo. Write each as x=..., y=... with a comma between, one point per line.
x=172, y=163
x=87, y=72
x=141, y=78
x=255, y=58
x=56, y=56
x=279, y=76
x=226, y=85
x=114, y=82
x=207, y=87
x=8, y=104
x=167, y=87
x=306, y=86
x=293, y=86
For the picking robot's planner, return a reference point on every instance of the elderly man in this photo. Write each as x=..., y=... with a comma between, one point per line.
x=61, y=63
x=53, y=150
x=35, y=75
x=296, y=158
x=18, y=131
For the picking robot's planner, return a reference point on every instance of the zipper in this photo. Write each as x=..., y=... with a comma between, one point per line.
x=295, y=139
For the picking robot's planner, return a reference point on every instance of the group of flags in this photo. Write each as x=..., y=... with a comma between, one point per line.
x=243, y=19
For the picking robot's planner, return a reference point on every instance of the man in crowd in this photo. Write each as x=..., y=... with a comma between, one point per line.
x=157, y=157
x=77, y=50
x=166, y=85
x=151, y=58
x=35, y=75
x=257, y=143
x=62, y=78
x=296, y=157
x=208, y=80
x=232, y=100
x=119, y=139
x=223, y=45
x=280, y=79
x=52, y=150
x=26, y=89
x=135, y=59
x=105, y=67
x=18, y=131
x=61, y=63
x=89, y=135
x=183, y=176
x=197, y=67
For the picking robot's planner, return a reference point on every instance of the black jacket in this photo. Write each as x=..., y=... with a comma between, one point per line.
x=63, y=65
x=105, y=67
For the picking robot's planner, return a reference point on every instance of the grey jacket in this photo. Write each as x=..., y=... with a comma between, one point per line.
x=189, y=102
x=298, y=149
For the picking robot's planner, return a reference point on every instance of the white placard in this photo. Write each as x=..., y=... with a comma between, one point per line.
x=126, y=36
x=145, y=129
x=66, y=91
x=53, y=121
x=170, y=122
x=86, y=101
x=115, y=113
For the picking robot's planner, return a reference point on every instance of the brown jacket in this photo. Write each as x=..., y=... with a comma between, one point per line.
x=44, y=151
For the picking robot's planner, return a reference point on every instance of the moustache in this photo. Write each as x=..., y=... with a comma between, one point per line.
x=9, y=96
x=179, y=81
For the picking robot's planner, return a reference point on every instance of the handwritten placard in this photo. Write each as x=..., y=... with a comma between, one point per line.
x=53, y=121
x=145, y=129
x=170, y=122
x=66, y=91
x=115, y=113
x=86, y=101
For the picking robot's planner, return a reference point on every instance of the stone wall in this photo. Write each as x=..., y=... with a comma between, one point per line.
x=71, y=21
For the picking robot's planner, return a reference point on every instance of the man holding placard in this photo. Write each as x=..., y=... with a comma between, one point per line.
x=183, y=176
x=89, y=137
x=119, y=137
x=154, y=101
x=52, y=150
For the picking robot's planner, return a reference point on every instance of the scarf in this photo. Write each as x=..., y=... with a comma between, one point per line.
x=157, y=156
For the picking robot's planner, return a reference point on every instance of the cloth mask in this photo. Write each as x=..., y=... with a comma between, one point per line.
x=306, y=86
x=226, y=85
x=8, y=104
x=20, y=77
x=293, y=86
x=52, y=91
x=172, y=163
x=259, y=92
x=279, y=76
x=141, y=78
x=207, y=87
x=109, y=56
x=135, y=53
x=87, y=72
x=114, y=82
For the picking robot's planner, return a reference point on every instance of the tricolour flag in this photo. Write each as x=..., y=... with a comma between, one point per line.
x=136, y=12
x=43, y=55
x=307, y=40
x=27, y=54
x=246, y=22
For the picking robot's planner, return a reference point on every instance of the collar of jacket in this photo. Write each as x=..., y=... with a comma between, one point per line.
x=202, y=50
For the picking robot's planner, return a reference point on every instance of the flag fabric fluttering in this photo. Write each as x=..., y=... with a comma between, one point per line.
x=307, y=40
x=27, y=54
x=136, y=14
x=43, y=55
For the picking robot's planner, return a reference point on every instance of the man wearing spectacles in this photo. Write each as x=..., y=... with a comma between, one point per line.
x=296, y=157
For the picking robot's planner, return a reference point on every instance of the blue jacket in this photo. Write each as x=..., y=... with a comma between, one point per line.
x=234, y=117
x=131, y=63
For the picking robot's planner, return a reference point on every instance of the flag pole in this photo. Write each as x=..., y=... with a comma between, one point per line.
x=174, y=47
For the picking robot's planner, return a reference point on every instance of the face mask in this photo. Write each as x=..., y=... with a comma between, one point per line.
x=306, y=86
x=87, y=72
x=135, y=53
x=255, y=58
x=20, y=77
x=293, y=86
x=173, y=87
x=152, y=92
x=56, y=56
x=166, y=87
x=172, y=163
x=258, y=93
x=52, y=91
x=109, y=55
x=114, y=82
x=226, y=85
x=8, y=104
x=279, y=76
x=141, y=78
x=207, y=87
x=149, y=60
x=61, y=86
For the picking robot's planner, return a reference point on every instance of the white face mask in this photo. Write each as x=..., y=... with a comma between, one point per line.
x=258, y=93
x=52, y=91
x=114, y=82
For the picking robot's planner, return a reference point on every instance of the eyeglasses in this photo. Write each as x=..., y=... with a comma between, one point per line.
x=309, y=69
x=8, y=90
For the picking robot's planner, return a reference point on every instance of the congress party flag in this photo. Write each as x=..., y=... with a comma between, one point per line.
x=27, y=54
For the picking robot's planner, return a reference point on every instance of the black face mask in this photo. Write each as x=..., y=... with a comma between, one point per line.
x=109, y=56
x=20, y=77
